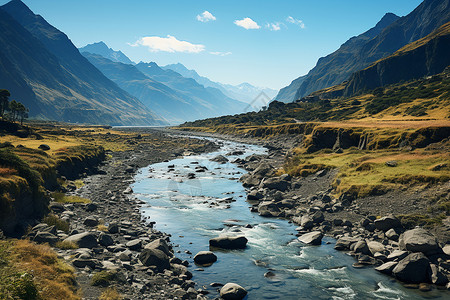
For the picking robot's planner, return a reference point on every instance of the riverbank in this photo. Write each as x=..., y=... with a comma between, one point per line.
x=377, y=229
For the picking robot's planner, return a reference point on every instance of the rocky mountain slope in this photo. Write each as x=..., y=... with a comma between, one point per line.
x=102, y=49
x=389, y=35
x=43, y=69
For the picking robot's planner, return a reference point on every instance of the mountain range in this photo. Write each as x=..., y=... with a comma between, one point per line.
x=41, y=68
x=244, y=92
x=388, y=36
x=102, y=49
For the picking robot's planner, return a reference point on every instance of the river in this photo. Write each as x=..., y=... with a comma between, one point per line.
x=214, y=202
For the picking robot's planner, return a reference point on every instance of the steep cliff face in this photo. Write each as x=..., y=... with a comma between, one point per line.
x=427, y=56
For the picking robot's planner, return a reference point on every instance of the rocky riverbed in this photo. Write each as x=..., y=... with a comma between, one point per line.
x=114, y=246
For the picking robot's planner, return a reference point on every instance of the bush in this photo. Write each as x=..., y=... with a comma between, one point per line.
x=52, y=220
x=103, y=278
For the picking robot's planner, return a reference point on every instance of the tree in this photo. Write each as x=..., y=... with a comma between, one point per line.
x=13, y=108
x=22, y=112
x=4, y=101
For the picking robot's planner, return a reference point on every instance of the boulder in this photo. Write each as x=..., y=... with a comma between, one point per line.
x=415, y=268
x=82, y=263
x=220, y=159
x=156, y=258
x=91, y=221
x=268, y=209
x=113, y=228
x=437, y=277
x=105, y=240
x=418, y=240
x=275, y=183
x=160, y=244
x=387, y=268
x=45, y=237
x=205, y=257
x=387, y=223
x=44, y=147
x=361, y=247
x=134, y=245
x=83, y=240
x=311, y=238
x=229, y=242
x=317, y=217
x=397, y=255
x=262, y=170
x=345, y=242
x=232, y=291
x=306, y=222
x=375, y=247
x=392, y=234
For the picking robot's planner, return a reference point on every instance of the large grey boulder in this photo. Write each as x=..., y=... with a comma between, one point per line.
x=375, y=247
x=269, y=209
x=345, y=242
x=232, y=291
x=387, y=268
x=134, y=244
x=83, y=240
x=415, y=268
x=387, y=223
x=419, y=240
x=306, y=222
x=262, y=170
x=311, y=238
x=229, y=242
x=156, y=258
x=205, y=257
x=361, y=247
x=437, y=276
x=275, y=183
x=105, y=239
x=160, y=244
x=91, y=221
x=220, y=159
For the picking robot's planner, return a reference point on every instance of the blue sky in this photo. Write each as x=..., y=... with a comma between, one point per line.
x=292, y=34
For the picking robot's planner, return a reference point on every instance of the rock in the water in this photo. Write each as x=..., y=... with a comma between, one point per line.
x=387, y=268
x=220, y=159
x=306, y=222
x=268, y=209
x=160, y=244
x=232, y=291
x=418, y=240
x=83, y=240
x=311, y=238
x=415, y=268
x=205, y=257
x=387, y=223
x=229, y=242
x=154, y=257
x=361, y=247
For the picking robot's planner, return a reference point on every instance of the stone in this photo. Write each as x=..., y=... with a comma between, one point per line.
x=44, y=147
x=317, y=217
x=134, y=245
x=375, y=247
x=229, y=242
x=91, y=221
x=232, y=291
x=56, y=207
x=344, y=243
x=437, y=277
x=311, y=238
x=205, y=257
x=90, y=207
x=113, y=228
x=415, y=268
x=105, y=240
x=83, y=240
x=160, y=244
x=45, y=237
x=397, y=255
x=306, y=222
x=156, y=258
x=446, y=249
x=361, y=247
x=387, y=223
x=387, y=268
x=392, y=234
x=220, y=159
x=82, y=263
x=275, y=183
x=418, y=240
x=268, y=209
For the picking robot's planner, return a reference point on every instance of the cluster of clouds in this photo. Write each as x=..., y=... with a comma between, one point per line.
x=171, y=44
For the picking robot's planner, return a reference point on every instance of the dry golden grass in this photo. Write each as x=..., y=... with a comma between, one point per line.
x=110, y=294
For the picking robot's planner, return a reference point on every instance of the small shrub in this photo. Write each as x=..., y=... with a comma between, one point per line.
x=65, y=245
x=110, y=294
x=53, y=220
x=103, y=278
x=63, y=198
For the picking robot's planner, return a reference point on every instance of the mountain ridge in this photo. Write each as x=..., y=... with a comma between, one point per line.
x=102, y=49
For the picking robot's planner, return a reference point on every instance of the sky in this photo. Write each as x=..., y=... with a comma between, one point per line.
x=267, y=43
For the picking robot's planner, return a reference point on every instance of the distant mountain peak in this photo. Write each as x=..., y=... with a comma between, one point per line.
x=102, y=49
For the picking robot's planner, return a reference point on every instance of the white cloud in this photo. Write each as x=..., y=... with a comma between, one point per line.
x=274, y=26
x=206, y=16
x=247, y=23
x=168, y=44
x=220, y=53
x=296, y=22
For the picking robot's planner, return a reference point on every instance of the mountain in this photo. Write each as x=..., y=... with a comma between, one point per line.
x=102, y=49
x=208, y=97
x=41, y=68
x=244, y=92
x=174, y=106
x=337, y=66
x=425, y=57
x=390, y=34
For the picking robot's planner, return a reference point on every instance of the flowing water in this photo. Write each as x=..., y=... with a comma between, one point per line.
x=196, y=210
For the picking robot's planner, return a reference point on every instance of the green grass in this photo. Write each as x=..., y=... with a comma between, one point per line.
x=53, y=220
x=103, y=278
x=63, y=198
